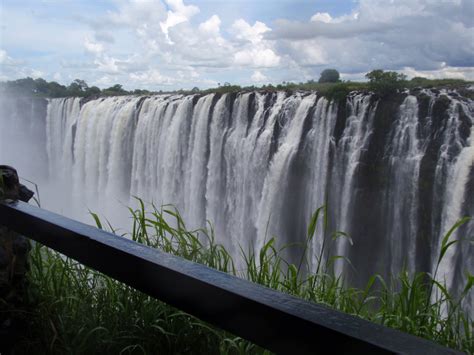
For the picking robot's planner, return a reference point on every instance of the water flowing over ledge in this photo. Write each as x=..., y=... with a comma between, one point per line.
x=395, y=172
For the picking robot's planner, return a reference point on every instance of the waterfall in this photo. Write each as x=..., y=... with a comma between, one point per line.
x=272, y=208
x=395, y=172
x=460, y=257
x=60, y=134
x=404, y=153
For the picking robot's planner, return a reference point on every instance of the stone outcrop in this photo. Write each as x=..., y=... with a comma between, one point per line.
x=14, y=250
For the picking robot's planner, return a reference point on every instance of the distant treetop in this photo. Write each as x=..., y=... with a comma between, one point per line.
x=329, y=76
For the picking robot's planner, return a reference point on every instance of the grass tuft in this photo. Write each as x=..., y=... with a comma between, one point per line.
x=78, y=310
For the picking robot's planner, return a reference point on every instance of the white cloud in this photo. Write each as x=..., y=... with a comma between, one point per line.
x=163, y=42
x=321, y=17
x=211, y=26
x=93, y=47
x=308, y=52
x=135, y=13
x=36, y=73
x=258, y=77
x=419, y=34
x=180, y=13
x=5, y=59
x=150, y=77
x=244, y=31
x=106, y=80
x=256, y=51
x=11, y=68
x=107, y=64
x=257, y=58
x=444, y=73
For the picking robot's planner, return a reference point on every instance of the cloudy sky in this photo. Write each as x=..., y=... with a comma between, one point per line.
x=172, y=44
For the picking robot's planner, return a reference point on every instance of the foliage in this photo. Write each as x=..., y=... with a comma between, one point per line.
x=42, y=88
x=115, y=90
x=380, y=82
x=141, y=92
x=329, y=76
x=385, y=82
x=78, y=310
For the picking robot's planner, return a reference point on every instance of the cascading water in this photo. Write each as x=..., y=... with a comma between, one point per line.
x=396, y=173
x=404, y=153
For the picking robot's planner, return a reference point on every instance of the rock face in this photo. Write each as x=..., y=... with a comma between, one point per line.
x=14, y=250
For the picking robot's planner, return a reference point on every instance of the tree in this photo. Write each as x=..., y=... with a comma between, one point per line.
x=41, y=87
x=141, y=92
x=82, y=84
x=93, y=90
x=117, y=89
x=26, y=86
x=56, y=90
x=385, y=82
x=418, y=80
x=329, y=76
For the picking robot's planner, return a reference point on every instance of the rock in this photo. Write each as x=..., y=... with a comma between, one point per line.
x=13, y=265
x=10, y=183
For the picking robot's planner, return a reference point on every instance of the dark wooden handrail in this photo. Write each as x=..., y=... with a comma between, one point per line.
x=274, y=320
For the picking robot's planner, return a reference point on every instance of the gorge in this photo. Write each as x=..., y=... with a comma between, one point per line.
x=395, y=172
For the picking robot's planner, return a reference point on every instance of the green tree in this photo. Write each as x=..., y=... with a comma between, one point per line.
x=141, y=92
x=24, y=86
x=93, y=90
x=77, y=88
x=41, y=87
x=418, y=80
x=329, y=76
x=385, y=82
x=117, y=89
x=82, y=84
x=56, y=90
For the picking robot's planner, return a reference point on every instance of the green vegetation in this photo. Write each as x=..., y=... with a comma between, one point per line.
x=329, y=85
x=77, y=310
x=329, y=76
x=385, y=83
x=78, y=88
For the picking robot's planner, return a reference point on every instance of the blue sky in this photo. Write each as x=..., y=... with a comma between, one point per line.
x=172, y=44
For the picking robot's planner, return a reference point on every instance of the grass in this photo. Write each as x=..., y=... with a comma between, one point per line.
x=77, y=310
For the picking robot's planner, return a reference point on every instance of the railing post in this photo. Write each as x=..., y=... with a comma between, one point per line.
x=14, y=250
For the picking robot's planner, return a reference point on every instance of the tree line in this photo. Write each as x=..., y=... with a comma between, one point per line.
x=78, y=88
x=329, y=84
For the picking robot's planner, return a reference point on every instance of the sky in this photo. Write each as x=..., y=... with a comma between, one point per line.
x=173, y=44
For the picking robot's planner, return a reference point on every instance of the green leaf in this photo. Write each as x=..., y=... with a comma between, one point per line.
x=96, y=219
x=314, y=221
x=444, y=243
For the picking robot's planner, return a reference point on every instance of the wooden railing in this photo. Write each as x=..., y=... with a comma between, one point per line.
x=271, y=319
